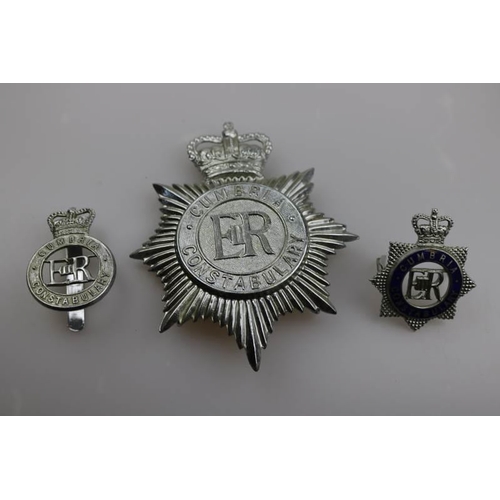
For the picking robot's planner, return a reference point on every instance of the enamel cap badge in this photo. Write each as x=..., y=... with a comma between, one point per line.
x=424, y=280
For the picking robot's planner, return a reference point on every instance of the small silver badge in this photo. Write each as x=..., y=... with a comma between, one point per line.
x=74, y=270
x=423, y=281
x=239, y=249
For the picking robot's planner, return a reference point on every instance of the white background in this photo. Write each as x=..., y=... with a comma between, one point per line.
x=381, y=152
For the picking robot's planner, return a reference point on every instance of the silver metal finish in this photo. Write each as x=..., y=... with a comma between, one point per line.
x=239, y=249
x=74, y=270
x=423, y=281
x=76, y=319
x=381, y=263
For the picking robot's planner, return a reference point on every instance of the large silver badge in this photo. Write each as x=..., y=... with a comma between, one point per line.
x=240, y=249
x=74, y=270
x=423, y=281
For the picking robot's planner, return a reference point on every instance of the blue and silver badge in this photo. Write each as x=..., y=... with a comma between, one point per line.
x=423, y=281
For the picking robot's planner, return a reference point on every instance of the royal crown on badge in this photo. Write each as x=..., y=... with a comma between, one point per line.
x=230, y=155
x=431, y=229
x=72, y=221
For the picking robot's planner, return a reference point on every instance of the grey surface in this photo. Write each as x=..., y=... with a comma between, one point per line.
x=382, y=153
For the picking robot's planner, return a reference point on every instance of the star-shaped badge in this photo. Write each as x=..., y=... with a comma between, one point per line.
x=240, y=249
x=423, y=281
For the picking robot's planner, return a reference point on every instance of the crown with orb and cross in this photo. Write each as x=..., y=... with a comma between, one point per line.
x=432, y=229
x=72, y=221
x=230, y=155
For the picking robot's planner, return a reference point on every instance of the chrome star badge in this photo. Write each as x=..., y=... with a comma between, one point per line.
x=74, y=270
x=423, y=281
x=239, y=249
